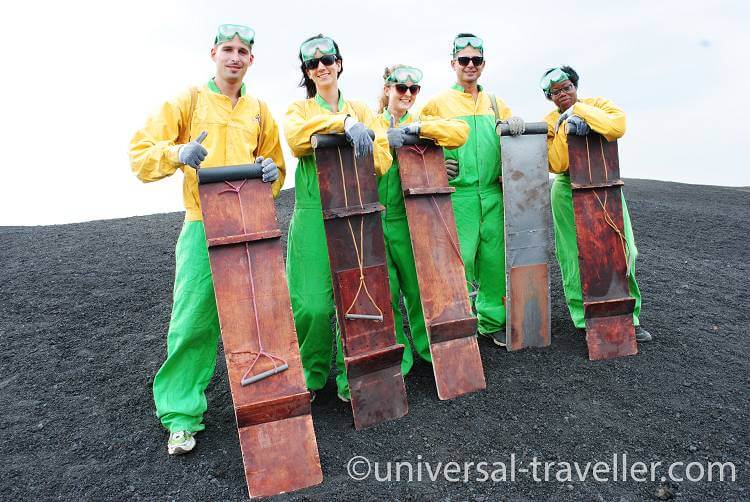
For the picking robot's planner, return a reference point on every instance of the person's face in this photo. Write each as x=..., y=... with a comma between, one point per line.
x=324, y=76
x=400, y=97
x=232, y=59
x=564, y=94
x=470, y=73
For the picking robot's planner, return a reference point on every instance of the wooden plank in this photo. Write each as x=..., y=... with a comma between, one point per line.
x=607, y=303
x=451, y=327
x=356, y=252
x=277, y=438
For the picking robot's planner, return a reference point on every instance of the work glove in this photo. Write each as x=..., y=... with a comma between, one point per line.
x=193, y=153
x=563, y=116
x=357, y=134
x=412, y=128
x=269, y=169
x=396, y=136
x=578, y=126
x=516, y=126
x=451, y=168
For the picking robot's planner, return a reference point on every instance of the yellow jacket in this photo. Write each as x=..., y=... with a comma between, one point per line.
x=314, y=116
x=236, y=135
x=600, y=114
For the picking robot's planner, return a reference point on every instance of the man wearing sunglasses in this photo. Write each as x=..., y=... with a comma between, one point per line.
x=474, y=170
x=237, y=129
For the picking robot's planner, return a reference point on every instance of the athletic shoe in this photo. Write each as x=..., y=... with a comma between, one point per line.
x=642, y=336
x=180, y=442
x=497, y=337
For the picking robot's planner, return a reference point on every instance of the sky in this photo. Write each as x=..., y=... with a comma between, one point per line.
x=81, y=77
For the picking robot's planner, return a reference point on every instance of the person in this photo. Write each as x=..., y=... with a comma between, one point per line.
x=400, y=89
x=580, y=116
x=325, y=111
x=474, y=170
x=240, y=130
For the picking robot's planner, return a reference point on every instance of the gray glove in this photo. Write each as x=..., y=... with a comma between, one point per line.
x=269, y=168
x=396, y=137
x=451, y=168
x=578, y=126
x=412, y=128
x=357, y=134
x=564, y=115
x=193, y=153
x=516, y=126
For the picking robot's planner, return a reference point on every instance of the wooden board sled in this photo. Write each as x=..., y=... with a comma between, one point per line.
x=451, y=328
x=526, y=202
x=356, y=252
x=597, y=202
x=271, y=401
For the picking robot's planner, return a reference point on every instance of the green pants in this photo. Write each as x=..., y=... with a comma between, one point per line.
x=480, y=222
x=402, y=278
x=566, y=248
x=180, y=384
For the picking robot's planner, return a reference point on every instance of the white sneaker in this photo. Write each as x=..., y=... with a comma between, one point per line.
x=180, y=442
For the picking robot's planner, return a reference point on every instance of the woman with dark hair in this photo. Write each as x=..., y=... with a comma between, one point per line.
x=400, y=89
x=580, y=116
x=323, y=112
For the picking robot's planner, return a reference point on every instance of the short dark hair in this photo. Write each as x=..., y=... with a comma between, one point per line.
x=306, y=81
x=572, y=76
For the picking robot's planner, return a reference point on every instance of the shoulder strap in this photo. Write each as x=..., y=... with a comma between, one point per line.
x=493, y=102
x=187, y=119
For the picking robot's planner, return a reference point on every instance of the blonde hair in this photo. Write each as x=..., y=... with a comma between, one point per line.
x=383, y=101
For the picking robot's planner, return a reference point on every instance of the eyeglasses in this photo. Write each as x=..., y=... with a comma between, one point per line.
x=402, y=88
x=325, y=45
x=552, y=76
x=227, y=32
x=566, y=90
x=464, y=60
x=327, y=60
x=403, y=74
x=462, y=42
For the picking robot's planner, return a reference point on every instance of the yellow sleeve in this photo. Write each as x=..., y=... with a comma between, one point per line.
x=381, y=149
x=153, y=151
x=602, y=116
x=269, y=146
x=448, y=133
x=557, y=145
x=298, y=129
x=503, y=110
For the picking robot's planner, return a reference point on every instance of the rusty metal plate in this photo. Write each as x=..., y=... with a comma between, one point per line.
x=526, y=202
x=609, y=337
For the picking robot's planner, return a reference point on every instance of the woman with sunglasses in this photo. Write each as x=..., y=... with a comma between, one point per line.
x=308, y=271
x=580, y=116
x=400, y=89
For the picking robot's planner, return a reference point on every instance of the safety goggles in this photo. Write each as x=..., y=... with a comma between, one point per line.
x=475, y=60
x=402, y=88
x=403, y=74
x=463, y=42
x=327, y=60
x=552, y=76
x=308, y=49
x=227, y=32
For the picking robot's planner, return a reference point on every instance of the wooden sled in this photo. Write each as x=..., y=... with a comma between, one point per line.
x=597, y=202
x=356, y=251
x=526, y=202
x=271, y=402
x=456, y=362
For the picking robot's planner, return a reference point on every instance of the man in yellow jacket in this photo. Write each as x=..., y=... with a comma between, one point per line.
x=474, y=170
x=580, y=116
x=240, y=130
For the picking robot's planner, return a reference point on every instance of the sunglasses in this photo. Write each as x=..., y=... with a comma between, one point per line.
x=226, y=32
x=402, y=88
x=327, y=60
x=464, y=60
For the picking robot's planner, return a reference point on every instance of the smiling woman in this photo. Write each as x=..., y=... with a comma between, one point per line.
x=324, y=111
